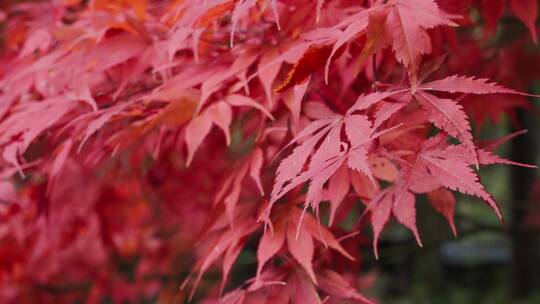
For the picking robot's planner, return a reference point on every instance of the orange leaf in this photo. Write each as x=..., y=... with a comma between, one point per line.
x=215, y=13
x=177, y=112
x=174, y=114
x=117, y=6
x=313, y=59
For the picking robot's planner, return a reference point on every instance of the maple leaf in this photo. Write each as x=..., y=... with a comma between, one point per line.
x=325, y=160
x=59, y=162
x=377, y=37
x=312, y=60
x=352, y=26
x=305, y=291
x=392, y=201
x=444, y=202
x=449, y=116
x=241, y=9
x=436, y=165
x=301, y=248
x=270, y=72
x=269, y=245
x=439, y=165
x=363, y=187
x=324, y=151
x=464, y=84
x=297, y=230
x=229, y=192
x=337, y=286
x=28, y=123
x=196, y=131
x=444, y=113
x=227, y=243
x=338, y=188
x=106, y=94
x=220, y=114
x=409, y=22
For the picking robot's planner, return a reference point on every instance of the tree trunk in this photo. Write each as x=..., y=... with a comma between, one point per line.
x=525, y=271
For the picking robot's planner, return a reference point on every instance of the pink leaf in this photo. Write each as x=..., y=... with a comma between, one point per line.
x=8, y=193
x=338, y=187
x=323, y=235
x=241, y=9
x=244, y=101
x=488, y=158
x=408, y=22
x=270, y=243
x=303, y=290
x=317, y=110
x=301, y=248
x=197, y=129
x=39, y=40
x=221, y=114
x=314, y=193
x=315, y=127
x=365, y=101
x=380, y=214
x=291, y=166
x=449, y=116
x=444, y=202
x=255, y=168
x=404, y=210
x=268, y=76
x=293, y=100
x=358, y=160
x=359, y=24
x=358, y=129
x=61, y=158
x=336, y=285
x=363, y=187
x=230, y=257
x=330, y=146
x=232, y=199
x=454, y=173
x=389, y=108
x=464, y=84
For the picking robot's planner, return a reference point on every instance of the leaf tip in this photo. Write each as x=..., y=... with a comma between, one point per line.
x=376, y=249
x=454, y=231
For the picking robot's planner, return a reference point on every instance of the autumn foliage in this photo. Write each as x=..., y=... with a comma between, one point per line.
x=146, y=145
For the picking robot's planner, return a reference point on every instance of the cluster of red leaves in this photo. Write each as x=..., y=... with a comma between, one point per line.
x=113, y=177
